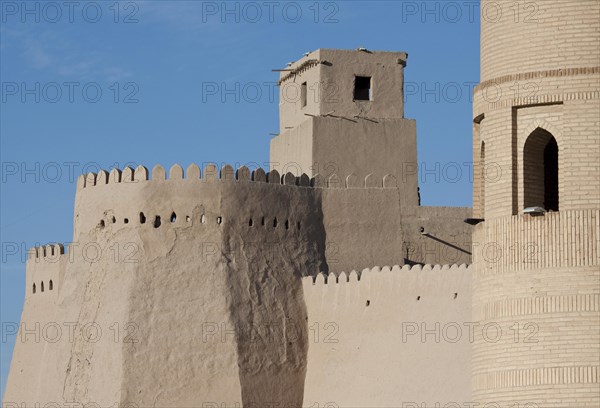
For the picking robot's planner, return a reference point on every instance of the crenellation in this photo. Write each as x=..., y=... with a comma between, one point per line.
x=176, y=172
x=115, y=176
x=390, y=271
x=371, y=181
x=304, y=180
x=211, y=173
x=227, y=173
x=102, y=178
x=44, y=270
x=352, y=181
x=46, y=252
x=127, y=175
x=289, y=179
x=90, y=179
x=273, y=177
x=159, y=173
x=302, y=249
x=140, y=174
x=193, y=172
x=243, y=174
x=333, y=181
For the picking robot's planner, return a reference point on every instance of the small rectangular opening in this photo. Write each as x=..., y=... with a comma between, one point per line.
x=362, y=88
x=303, y=95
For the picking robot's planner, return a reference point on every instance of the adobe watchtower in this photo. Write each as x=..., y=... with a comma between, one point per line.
x=342, y=112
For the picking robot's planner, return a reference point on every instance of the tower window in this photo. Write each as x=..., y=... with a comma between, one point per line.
x=303, y=94
x=362, y=88
x=540, y=171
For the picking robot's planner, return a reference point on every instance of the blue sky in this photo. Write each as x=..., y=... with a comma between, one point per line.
x=109, y=85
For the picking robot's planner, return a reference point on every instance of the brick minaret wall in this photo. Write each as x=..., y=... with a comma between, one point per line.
x=536, y=277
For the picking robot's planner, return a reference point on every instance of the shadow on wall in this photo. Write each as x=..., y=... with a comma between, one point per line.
x=267, y=306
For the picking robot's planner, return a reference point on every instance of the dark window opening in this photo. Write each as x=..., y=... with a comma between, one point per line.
x=114, y=220
x=50, y=285
x=540, y=171
x=275, y=223
x=250, y=223
x=126, y=220
x=551, y=176
x=101, y=223
x=34, y=288
x=362, y=88
x=173, y=217
x=142, y=218
x=219, y=220
x=287, y=224
x=42, y=286
x=298, y=225
x=303, y=95
x=157, y=221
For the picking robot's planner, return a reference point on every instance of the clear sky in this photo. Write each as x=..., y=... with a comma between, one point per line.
x=91, y=84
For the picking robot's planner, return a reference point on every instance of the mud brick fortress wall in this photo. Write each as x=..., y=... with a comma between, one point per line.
x=360, y=295
x=181, y=252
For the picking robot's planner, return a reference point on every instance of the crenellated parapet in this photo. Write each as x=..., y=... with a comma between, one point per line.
x=45, y=269
x=122, y=196
x=227, y=173
x=375, y=272
x=396, y=328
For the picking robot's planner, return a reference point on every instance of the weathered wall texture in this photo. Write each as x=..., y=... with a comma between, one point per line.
x=204, y=269
x=436, y=235
x=187, y=289
x=396, y=336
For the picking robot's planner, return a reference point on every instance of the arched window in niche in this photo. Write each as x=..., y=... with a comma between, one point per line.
x=34, y=288
x=540, y=171
x=50, y=285
x=42, y=286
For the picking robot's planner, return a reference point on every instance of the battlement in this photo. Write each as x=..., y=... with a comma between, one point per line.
x=50, y=252
x=358, y=276
x=45, y=269
x=227, y=173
